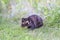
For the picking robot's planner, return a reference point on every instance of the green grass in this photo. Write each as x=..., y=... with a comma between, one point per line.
x=10, y=31
x=49, y=31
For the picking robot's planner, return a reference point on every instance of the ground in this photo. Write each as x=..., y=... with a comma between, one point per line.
x=10, y=31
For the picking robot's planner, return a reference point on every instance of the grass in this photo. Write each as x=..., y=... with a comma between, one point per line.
x=10, y=31
x=49, y=31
